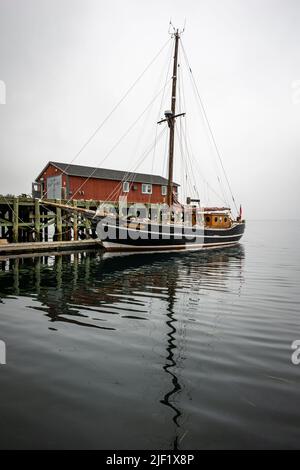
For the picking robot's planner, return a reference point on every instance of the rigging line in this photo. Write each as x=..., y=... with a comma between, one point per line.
x=193, y=182
x=164, y=167
x=223, y=192
x=180, y=134
x=192, y=158
x=186, y=134
x=184, y=175
x=127, y=175
x=188, y=145
x=224, y=197
x=208, y=195
x=118, y=189
x=118, y=142
x=215, y=163
x=131, y=175
x=169, y=61
x=182, y=156
x=162, y=100
x=63, y=232
x=180, y=139
x=182, y=123
x=208, y=125
x=26, y=224
x=115, y=145
x=114, y=109
x=158, y=85
x=158, y=117
x=183, y=127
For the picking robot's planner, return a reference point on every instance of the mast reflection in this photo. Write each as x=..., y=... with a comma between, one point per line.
x=171, y=363
x=81, y=288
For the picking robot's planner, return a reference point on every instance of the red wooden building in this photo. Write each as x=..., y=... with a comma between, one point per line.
x=64, y=181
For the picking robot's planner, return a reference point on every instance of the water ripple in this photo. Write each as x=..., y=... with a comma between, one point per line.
x=184, y=350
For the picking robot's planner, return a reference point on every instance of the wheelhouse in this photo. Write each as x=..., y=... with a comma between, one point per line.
x=217, y=220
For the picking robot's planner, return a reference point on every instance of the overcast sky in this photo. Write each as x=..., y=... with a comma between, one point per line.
x=66, y=63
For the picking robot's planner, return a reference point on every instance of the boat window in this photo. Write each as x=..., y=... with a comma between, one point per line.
x=216, y=219
x=126, y=187
x=225, y=219
x=147, y=188
x=207, y=219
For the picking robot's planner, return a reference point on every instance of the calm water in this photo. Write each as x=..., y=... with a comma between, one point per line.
x=186, y=351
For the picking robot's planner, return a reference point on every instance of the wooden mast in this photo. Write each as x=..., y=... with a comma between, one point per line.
x=171, y=123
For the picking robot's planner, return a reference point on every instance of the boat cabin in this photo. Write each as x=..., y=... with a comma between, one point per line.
x=217, y=220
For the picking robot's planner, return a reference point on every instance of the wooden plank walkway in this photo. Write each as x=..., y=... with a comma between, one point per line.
x=41, y=247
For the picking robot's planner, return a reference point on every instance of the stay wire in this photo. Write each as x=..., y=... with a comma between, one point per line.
x=99, y=127
x=115, y=146
x=130, y=176
x=208, y=125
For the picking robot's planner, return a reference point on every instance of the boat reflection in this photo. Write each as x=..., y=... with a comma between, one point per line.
x=85, y=289
x=93, y=279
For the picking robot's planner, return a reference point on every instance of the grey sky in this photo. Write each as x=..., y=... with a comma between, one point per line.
x=66, y=63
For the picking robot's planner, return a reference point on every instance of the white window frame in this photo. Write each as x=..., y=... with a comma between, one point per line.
x=146, y=188
x=164, y=190
x=126, y=187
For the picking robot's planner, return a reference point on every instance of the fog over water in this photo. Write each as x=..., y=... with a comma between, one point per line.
x=65, y=65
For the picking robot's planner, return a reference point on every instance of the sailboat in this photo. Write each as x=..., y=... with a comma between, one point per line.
x=173, y=226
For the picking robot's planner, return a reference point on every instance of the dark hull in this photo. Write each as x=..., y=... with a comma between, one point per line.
x=167, y=237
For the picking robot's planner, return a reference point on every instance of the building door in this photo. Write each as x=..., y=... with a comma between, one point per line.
x=54, y=185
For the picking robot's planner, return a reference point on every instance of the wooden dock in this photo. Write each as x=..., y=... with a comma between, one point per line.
x=28, y=225
x=27, y=220
x=49, y=247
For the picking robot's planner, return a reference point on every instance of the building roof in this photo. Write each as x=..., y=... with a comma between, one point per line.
x=106, y=174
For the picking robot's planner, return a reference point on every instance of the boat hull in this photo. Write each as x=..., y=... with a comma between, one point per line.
x=168, y=237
